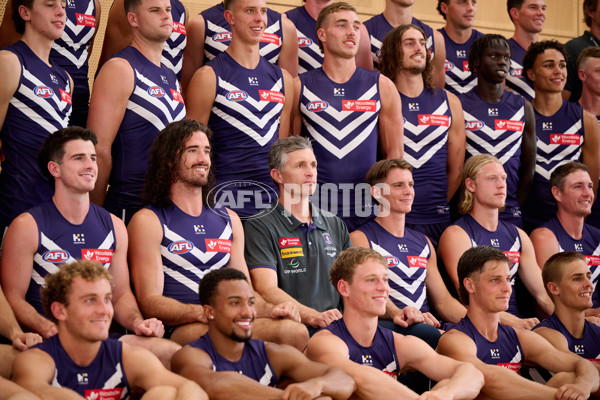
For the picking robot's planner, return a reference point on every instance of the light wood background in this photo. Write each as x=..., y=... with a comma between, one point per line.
x=564, y=18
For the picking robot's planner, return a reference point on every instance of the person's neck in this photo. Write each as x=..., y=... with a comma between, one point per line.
x=489, y=91
x=228, y=348
x=39, y=45
x=572, y=224
x=590, y=101
x=458, y=35
x=525, y=39
x=547, y=103
x=314, y=7
x=338, y=69
x=595, y=30
x=572, y=319
x=409, y=83
x=245, y=54
x=487, y=217
x=301, y=210
x=74, y=207
x=484, y=321
x=187, y=198
x=361, y=326
x=152, y=50
x=394, y=223
x=81, y=351
x=396, y=14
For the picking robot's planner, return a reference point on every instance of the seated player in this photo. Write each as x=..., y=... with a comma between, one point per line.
x=80, y=359
x=498, y=350
x=483, y=190
x=573, y=191
x=228, y=363
x=414, y=278
x=373, y=356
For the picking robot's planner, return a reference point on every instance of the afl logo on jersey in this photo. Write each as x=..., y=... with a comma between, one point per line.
x=473, y=125
x=516, y=72
x=156, y=91
x=43, y=91
x=56, y=256
x=448, y=65
x=222, y=37
x=304, y=42
x=180, y=247
x=236, y=95
x=316, y=106
x=392, y=261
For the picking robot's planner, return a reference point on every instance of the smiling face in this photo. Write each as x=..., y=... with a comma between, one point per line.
x=46, y=17
x=78, y=168
x=460, y=13
x=233, y=312
x=577, y=196
x=575, y=288
x=340, y=34
x=414, y=51
x=194, y=163
x=531, y=16
x=495, y=62
x=248, y=20
x=549, y=71
x=369, y=290
x=397, y=189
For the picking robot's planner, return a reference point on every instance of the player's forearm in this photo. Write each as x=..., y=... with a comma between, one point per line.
x=276, y=295
x=451, y=310
x=262, y=306
x=500, y=383
x=466, y=383
x=127, y=312
x=33, y=321
x=337, y=384
x=587, y=376
x=171, y=311
x=374, y=384
x=190, y=390
x=55, y=393
x=227, y=385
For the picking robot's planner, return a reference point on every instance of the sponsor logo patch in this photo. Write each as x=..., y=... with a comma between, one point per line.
x=448, y=65
x=434, y=119
x=270, y=95
x=56, y=256
x=65, y=96
x=178, y=27
x=180, y=247
x=392, y=261
x=513, y=256
x=516, y=72
x=218, y=245
x=592, y=260
x=566, y=139
x=103, y=394
x=417, y=261
x=103, y=256
x=156, y=91
x=514, y=367
x=268, y=37
x=236, y=95
x=359, y=105
x=465, y=66
x=43, y=91
x=508, y=125
x=292, y=252
x=317, y=105
x=304, y=42
x=85, y=20
x=288, y=242
x=176, y=96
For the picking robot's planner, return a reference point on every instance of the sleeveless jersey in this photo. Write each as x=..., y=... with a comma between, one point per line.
x=172, y=54
x=245, y=121
x=217, y=34
x=407, y=258
x=40, y=106
x=309, y=55
x=497, y=129
x=378, y=27
x=191, y=247
x=103, y=379
x=505, y=352
x=426, y=122
x=60, y=241
x=71, y=53
x=155, y=102
x=587, y=346
x=505, y=238
x=559, y=140
x=381, y=354
x=588, y=246
x=459, y=80
x=254, y=363
x=342, y=119
x=515, y=80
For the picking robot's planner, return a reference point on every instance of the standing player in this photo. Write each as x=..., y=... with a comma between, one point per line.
x=433, y=129
x=565, y=132
x=310, y=56
x=458, y=35
x=35, y=101
x=349, y=112
x=126, y=117
x=399, y=12
x=500, y=122
x=209, y=34
x=247, y=102
x=528, y=17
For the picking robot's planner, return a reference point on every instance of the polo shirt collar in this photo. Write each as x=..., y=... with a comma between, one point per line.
x=293, y=223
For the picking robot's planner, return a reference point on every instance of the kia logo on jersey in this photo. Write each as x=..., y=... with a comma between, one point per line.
x=236, y=95
x=156, y=91
x=43, y=91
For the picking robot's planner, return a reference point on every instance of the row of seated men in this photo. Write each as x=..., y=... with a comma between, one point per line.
x=79, y=298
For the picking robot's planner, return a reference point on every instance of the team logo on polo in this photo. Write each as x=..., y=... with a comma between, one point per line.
x=156, y=91
x=180, y=247
x=43, y=91
x=304, y=42
x=317, y=106
x=474, y=125
x=56, y=256
x=236, y=95
x=222, y=37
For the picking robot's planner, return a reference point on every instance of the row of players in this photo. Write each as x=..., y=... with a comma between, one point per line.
x=182, y=235
x=251, y=103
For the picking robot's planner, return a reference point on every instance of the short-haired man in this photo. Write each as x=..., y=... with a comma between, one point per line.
x=35, y=101
x=373, y=355
x=228, y=363
x=500, y=122
x=350, y=113
x=528, y=17
x=209, y=34
x=483, y=195
x=565, y=132
x=247, y=101
x=182, y=235
x=128, y=115
x=67, y=228
x=590, y=38
x=569, y=283
x=399, y=12
x=458, y=35
x=416, y=285
x=499, y=350
x=80, y=360
x=310, y=56
x=434, y=129
x=573, y=191
x=291, y=248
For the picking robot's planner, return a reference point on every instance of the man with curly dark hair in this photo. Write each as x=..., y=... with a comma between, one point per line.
x=180, y=236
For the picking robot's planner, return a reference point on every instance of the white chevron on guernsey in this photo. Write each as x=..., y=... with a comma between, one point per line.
x=439, y=132
x=495, y=150
x=458, y=87
x=306, y=57
x=345, y=150
x=417, y=129
x=257, y=104
x=496, y=133
x=266, y=378
x=339, y=116
x=240, y=126
x=43, y=103
x=518, y=82
x=518, y=357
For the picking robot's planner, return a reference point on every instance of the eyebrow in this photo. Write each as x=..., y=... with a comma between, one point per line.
x=240, y=297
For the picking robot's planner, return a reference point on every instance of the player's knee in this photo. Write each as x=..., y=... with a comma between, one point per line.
x=160, y=393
